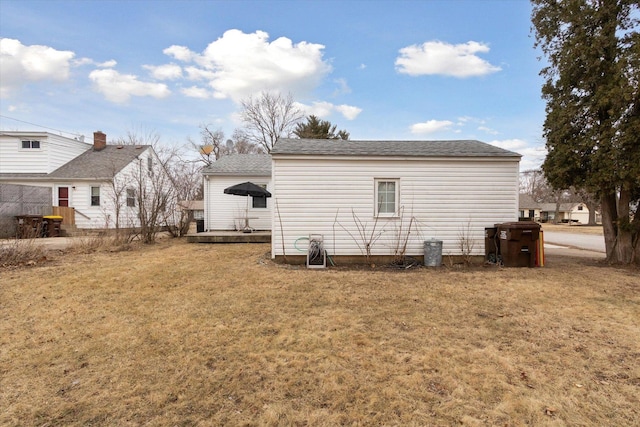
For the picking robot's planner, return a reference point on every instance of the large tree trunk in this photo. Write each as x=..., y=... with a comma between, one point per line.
x=625, y=233
x=620, y=238
x=609, y=221
x=592, y=206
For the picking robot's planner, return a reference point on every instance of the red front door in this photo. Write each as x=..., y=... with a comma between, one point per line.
x=63, y=196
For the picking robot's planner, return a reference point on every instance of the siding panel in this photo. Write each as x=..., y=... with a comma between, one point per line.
x=225, y=211
x=54, y=152
x=447, y=199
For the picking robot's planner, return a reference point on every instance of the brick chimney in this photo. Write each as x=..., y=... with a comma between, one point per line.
x=99, y=140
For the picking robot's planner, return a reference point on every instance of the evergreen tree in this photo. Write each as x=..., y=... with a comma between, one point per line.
x=592, y=127
x=315, y=128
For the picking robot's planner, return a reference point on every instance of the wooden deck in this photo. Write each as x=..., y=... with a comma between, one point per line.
x=230, y=237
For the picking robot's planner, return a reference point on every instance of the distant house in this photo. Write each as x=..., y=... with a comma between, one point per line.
x=567, y=212
x=193, y=209
x=92, y=186
x=529, y=209
x=377, y=196
x=228, y=212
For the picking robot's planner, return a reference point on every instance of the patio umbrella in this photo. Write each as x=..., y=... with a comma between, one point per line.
x=247, y=189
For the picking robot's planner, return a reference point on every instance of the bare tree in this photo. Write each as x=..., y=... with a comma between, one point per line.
x=211, y=145
x=268, y=117
x=240, y=144
x=145, y=194
x=534, y=184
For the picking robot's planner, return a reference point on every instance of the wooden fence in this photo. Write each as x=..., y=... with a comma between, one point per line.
x=68, y=214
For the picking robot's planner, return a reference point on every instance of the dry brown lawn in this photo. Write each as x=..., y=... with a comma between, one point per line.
x=181, y=334
x=580, y=229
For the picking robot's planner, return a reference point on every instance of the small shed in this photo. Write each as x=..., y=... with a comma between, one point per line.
x=229, y=212
x=383, y=199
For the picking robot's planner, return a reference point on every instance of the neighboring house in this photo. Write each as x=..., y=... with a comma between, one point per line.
x=568, y=212
x=193, y=209
x=98, y=185
x=343, y=190
x=229, y=212
x=529, y=208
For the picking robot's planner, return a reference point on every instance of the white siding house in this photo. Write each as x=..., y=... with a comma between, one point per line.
x=229, y=212
x=95, y=180
x=371, y=193
x=37, y=152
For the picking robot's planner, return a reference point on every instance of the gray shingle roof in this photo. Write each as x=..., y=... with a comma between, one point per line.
x=27, y=176
x=103, y=164
x=329, y=147
x=241, y=164
x=551, y=207
x=527, y=202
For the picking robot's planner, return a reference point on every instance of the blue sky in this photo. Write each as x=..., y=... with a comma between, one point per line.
x=402, y=70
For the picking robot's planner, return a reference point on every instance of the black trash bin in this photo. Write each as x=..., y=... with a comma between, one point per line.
x=53, y=225
x=518, y=243
x=29, y=226
x=199, y=225
x=491, y=246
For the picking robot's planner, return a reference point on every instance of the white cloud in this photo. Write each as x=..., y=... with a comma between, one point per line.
x=324, y=109
x=488, y=130
x=343, y=87
x=509, y=144
x=348, y=111
x=88, y=61
x=165, y=72
x=319, y=109
x=445, y=59
x=22, y=64
x=180, y=53
x=196, y=92
x=194, y=73
x=532, y=156
x=83, y=61
x=238, y=65
x=431, y=126
x=119, y=88
x=107, y=64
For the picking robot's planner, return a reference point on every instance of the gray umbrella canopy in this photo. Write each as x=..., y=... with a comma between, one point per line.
x=247, y=189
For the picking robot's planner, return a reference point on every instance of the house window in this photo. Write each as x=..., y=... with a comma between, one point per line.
x=387, y=197
x=30, y=144
x=131, y=197
x=532, y=213
x=580, y=207
x=260, y=202
x=150, y=165
x=95, y=196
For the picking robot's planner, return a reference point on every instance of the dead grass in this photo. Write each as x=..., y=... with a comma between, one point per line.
x=20, y=252
x=101, y=242
x=578, y=228
x=186, y=334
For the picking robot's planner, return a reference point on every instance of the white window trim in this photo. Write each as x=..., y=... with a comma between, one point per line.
x=132, y=191
x=30, y=143
x=91, y=187
x=396, y=212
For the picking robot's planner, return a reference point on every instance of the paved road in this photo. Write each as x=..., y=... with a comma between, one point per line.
x=583, y=241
